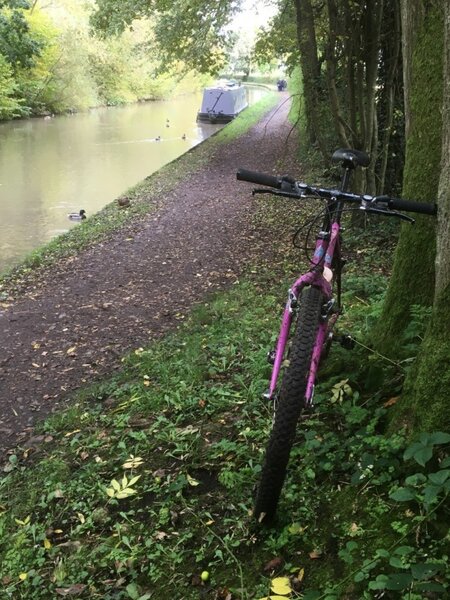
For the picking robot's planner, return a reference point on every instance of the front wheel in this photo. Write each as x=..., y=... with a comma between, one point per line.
x=289, y=404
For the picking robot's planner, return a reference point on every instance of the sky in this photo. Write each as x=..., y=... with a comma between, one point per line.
x=254, y=13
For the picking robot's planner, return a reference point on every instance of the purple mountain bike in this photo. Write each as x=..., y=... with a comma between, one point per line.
x=314, y=304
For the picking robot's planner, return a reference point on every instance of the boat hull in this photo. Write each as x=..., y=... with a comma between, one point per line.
x=218, y=117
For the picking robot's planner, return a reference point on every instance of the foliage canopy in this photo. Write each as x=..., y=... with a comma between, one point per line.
x=191, y=31
x=17, y=43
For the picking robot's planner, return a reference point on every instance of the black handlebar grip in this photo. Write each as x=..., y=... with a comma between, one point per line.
x=259, y=178
x=411, y=206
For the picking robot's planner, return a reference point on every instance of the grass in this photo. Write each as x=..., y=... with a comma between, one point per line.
x=147, y=480
x=147, y=196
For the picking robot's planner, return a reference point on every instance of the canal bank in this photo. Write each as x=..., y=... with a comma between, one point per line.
x=130, y=274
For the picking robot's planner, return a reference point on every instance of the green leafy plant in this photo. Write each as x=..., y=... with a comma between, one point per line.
x=123, y=488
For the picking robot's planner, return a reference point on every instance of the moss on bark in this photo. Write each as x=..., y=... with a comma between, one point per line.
x=425, y=399
x=413, y=274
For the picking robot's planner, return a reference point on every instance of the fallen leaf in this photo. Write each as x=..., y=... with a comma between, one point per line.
x=281, y=586
x=69, y=433
x=75, y=546
x=72, y=590
x=391, y=401
x=314, y=554
x=273, y=564
x=192, y=481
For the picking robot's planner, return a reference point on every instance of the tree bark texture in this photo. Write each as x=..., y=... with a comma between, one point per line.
x=412, y=15
x=427, y=389
x=413, y=278
x=443, y=237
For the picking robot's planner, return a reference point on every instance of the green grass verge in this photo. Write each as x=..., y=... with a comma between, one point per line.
x=147, y=480
x=146, y=197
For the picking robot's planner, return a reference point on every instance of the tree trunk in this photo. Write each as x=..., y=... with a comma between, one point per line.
x=310, y=71
x=412, y=280
x=412, y=15
x=338, y=118
x=371, y=35
x=427, y=390
x=392, y=56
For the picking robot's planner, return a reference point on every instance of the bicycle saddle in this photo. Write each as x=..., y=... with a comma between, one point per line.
x=351, y=158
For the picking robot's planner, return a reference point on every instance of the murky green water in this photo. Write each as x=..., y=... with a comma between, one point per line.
x=51, y=167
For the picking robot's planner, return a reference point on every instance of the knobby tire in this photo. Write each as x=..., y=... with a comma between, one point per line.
x=289, y=404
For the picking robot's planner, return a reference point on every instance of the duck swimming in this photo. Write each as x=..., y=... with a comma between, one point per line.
x=158, y=139
x=77, y=216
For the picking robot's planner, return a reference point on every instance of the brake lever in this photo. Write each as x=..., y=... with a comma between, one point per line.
x=274, y=193
x=388, y=213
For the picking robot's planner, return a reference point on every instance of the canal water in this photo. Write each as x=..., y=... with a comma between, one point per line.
x=54, y=166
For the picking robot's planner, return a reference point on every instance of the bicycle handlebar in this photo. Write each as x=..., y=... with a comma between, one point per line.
x=298, y=189
x=407, y=205
x=259, y=178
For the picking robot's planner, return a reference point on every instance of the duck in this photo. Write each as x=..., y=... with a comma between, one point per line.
x=183, y=137
x=77, y=216
x=158, y=139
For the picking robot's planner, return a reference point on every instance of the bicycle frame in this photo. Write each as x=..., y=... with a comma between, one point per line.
x=320, y=275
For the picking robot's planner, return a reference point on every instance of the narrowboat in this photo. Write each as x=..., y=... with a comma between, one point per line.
x=223, y=102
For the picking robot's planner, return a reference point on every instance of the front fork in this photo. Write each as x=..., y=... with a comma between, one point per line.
x=324, y=251
x=327, y=320
x=277, y=356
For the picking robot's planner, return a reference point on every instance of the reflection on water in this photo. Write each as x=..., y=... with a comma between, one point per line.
x=51, y=167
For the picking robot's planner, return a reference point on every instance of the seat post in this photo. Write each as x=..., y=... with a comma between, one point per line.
x=346, y=179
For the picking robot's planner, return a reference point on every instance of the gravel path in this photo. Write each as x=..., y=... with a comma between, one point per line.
x=74, y=326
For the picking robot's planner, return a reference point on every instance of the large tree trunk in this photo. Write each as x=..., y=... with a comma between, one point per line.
x=427, y=390
x=412, y=280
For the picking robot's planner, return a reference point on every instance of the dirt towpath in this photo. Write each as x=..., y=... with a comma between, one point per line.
x=87, y=312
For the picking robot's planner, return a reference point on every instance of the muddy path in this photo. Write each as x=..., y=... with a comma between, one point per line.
x=85, y=313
